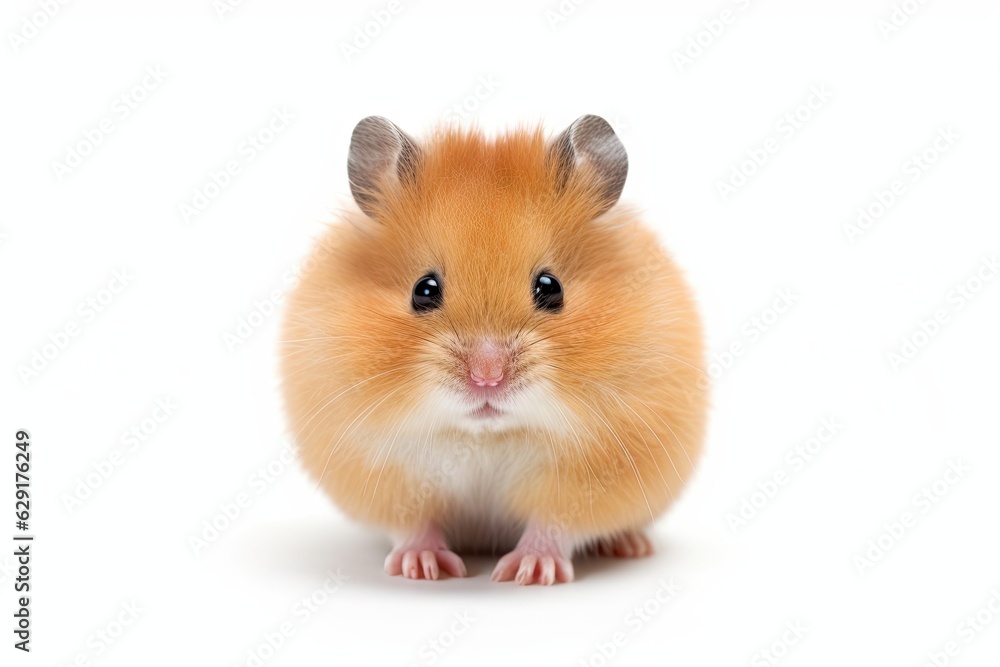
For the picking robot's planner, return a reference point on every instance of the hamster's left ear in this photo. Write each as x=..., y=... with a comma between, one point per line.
x=381, y=157
x=591, y=140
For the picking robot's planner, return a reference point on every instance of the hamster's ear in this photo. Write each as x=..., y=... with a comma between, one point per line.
x=591, y=140
x=381, y=156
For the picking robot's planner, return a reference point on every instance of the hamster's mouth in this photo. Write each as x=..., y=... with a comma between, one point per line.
x=486, y=411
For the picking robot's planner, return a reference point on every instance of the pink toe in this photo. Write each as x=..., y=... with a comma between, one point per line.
x=526, y=573
x=548, y=574
x=506, y=567
x=410, y=565
x=564, y=570
x=451, y=563
x=393, y=563
x=428, y=561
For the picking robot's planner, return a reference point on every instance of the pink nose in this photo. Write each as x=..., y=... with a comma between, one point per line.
x=486, y=364
x=489, y=381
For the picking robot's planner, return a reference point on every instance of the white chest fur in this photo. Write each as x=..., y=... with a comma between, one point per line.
x=475, y=478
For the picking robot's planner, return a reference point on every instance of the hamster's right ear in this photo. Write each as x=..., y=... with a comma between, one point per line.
x=381, y=157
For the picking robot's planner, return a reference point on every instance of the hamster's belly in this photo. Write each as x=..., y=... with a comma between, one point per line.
x=476, y=484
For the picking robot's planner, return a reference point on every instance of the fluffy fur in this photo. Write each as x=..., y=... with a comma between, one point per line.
x=607, y=410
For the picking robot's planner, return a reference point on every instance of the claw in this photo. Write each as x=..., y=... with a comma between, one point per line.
x=538, y=558
x=424, y=555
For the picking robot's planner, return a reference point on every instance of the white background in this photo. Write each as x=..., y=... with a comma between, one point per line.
x=192, y=282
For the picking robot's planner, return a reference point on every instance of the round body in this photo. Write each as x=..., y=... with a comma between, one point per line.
x=489, y=343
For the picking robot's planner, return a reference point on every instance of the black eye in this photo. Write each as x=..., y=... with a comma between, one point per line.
x=548, y=293
x=427, y=293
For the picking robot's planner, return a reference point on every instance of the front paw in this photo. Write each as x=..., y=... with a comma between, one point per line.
x=527, y=568
x=423, y=555
x=540, y=557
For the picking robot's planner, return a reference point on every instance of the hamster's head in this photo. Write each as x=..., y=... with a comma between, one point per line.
x=485, y=284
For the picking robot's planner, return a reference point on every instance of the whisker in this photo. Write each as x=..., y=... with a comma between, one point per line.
x=628, y=456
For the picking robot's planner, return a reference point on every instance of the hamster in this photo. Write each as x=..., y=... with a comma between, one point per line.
x=491, y=354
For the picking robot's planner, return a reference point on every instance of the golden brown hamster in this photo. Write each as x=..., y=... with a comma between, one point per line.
x=492, y=354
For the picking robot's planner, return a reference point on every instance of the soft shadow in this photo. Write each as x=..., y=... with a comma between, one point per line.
x=310, y=548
